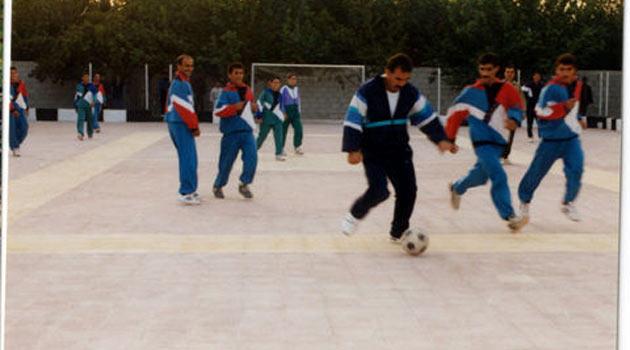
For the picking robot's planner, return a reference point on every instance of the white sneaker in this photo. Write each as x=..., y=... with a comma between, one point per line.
x=506, y=161
x=189, y=199
x=571, y=212
x=455, y=197
x=196, y=196
x=531, y=140
x=281, y=158
x=524, y=208
x=16, y=152
x=516, y=222
x=349, y=224
x=299, y=151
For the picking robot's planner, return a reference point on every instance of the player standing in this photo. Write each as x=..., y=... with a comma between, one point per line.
x=18, y=123
x=292, y=108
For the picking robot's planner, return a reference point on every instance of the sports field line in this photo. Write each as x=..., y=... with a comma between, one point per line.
x=303, y=243
x=606, y=180
x=36, y=189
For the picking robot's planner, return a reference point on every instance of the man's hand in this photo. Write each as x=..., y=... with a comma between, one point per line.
x=445, y=146
x=15, y=113
x=510, y=124
x=239, y=106
x=570, y=103
x=196, y=132
x=583, y=123
x=355, y=157
x=258, y=120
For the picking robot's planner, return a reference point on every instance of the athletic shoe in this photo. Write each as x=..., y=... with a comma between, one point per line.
x=244, y=190
x=189, y=199
x=524, y=208
x=80, y=137
x=349, y=224
x=218, y=193
x=531, y=140
x=571, y=212
x=16, y=152
x=98, y=131
x=281, y=158
x=299, y=151
x=506, y=161
x=197, y=196
x=516, y=222
x=455, y=197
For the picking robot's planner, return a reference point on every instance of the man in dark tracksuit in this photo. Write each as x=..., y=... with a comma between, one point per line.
x=375, y=132
x=532, y=93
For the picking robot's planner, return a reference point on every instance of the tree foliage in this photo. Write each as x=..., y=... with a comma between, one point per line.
x=120, y=36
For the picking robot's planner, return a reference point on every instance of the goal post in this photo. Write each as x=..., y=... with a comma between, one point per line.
x=325, y=89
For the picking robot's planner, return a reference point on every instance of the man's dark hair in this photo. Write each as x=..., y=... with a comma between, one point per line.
x=399, y=60
x=291, y=75
x=489, y=58
x=85, y=73
x=182, y=57
x=13, y=68
x=235, y=65
x=510, y=65
x=566, y=59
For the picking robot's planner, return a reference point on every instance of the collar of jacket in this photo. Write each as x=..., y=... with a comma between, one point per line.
x=181, y=76
x=230, y=86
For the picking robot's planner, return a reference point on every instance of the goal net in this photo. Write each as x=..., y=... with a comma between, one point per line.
x=325, y=90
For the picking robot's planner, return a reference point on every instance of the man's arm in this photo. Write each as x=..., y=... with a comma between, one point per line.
x=180, y=98
x=353, y=128
x=551, y=105
x=226, y=110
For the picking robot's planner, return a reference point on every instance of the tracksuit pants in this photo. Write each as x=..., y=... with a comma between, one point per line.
x=84, y=114
x=96, y=113
x=277, y=135
x=184, y=142
x=294, y=119
x=18, y=129
x=231, y=144
x=572, y=155
x=400, y=171
x=488, y=167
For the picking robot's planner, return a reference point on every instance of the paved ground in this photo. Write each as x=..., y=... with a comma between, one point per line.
x=101, y=256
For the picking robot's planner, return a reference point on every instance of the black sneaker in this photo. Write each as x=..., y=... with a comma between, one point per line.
x=218, y=193
x=244, y=190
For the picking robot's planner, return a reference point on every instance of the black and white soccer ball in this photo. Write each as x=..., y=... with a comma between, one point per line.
x=414, y=242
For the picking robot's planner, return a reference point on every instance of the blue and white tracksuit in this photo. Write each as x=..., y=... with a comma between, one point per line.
x=238, y=135
x=371, y=128
x=182, y=122
x=559, y=130
x=486, y=108
x=18, y=124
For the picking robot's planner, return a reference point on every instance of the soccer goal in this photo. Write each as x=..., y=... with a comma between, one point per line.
x=325, y=90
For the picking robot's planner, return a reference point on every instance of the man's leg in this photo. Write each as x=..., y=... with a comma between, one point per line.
x=88, y=118
x=13, y=133
x=508, y=149
x=187, y=155
x=278, y=138
x=249, y=157
x=476, y=177
x=546, y=154
x=97, y=112
x=573, y=158
x=530, y=123
x=489, y=158
x=262, y=134
x=229, y=151
x=377, y=189
x=403, y=178
x=298, y=130
x=285, y=128
x=80, y=120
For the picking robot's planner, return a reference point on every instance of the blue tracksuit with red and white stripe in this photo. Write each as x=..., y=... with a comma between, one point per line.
x=182, y=121
x=486, y=108
x=238, y=134
x=559, y=130
x=18, y=124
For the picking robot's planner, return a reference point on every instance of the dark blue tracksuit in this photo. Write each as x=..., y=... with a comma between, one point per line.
x=383, y=139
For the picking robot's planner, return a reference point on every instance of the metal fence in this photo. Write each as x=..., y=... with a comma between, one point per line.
x=142, y=92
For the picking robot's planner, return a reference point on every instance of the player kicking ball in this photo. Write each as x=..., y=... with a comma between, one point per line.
x=375, y=134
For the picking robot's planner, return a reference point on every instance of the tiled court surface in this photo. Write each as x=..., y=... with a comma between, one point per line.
x=101, y=256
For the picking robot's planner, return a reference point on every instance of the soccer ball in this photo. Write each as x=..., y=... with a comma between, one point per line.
x=414, y=242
